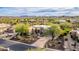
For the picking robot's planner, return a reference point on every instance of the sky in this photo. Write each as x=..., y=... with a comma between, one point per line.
x=39, y=11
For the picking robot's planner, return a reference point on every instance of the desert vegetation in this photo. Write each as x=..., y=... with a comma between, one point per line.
x=58, y=28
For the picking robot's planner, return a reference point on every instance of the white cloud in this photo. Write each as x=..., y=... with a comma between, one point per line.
x=41, y=11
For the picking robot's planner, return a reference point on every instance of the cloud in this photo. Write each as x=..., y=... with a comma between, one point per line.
x=38, y=11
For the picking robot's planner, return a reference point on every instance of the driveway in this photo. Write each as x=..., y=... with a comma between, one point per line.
x=40, y=43
x=15, y=46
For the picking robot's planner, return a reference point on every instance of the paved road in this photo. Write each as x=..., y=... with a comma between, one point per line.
x=15, y=46
x=41, y=42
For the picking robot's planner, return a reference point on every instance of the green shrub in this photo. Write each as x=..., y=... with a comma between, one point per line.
x=22, y=29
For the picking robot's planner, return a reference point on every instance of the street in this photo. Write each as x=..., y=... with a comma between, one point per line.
x=15, y=46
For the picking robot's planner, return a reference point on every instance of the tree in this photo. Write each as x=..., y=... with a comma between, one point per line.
x=68, y=20
x=55, y=30
x=53, y=20
x=66, y=26
x=22, y=29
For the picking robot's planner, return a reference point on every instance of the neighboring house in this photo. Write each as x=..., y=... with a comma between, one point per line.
x=32, y=20
x=41, y=28
x=74, y=21
x=62, y=21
